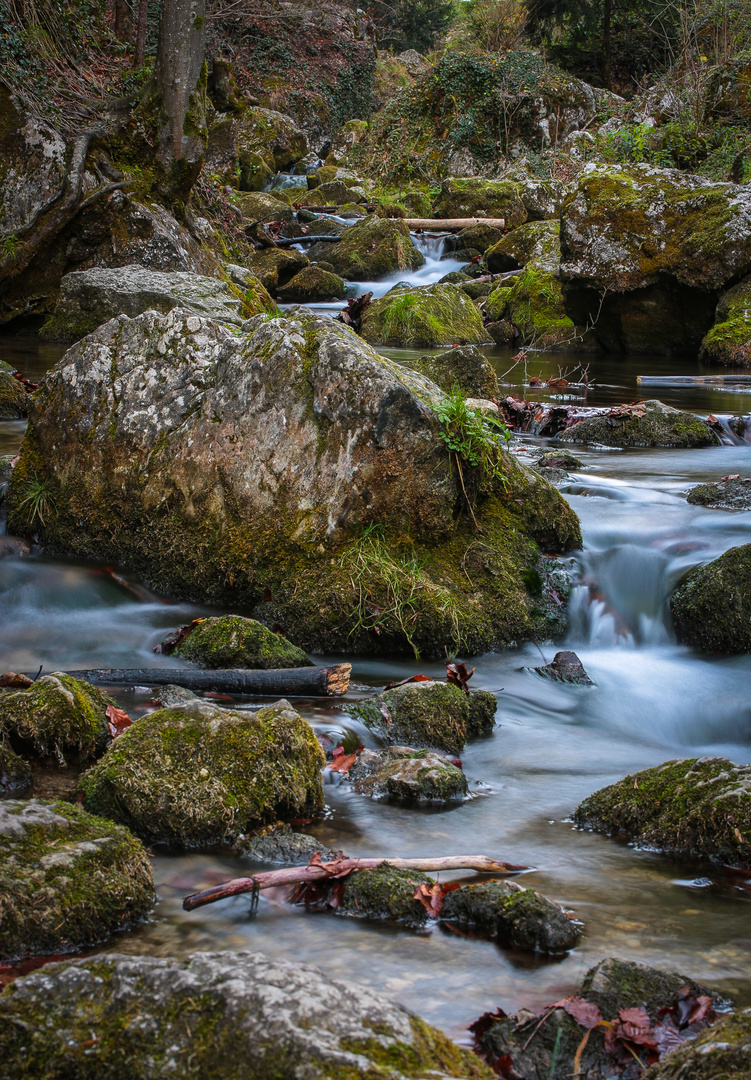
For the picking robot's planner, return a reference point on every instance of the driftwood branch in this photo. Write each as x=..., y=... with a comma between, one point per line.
x=452, y=224
x=693, y=380
x=296, y=875
x=290, y=241
x=331, y=681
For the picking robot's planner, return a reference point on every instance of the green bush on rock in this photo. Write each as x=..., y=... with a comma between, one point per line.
x=230, y=641
x=711, y=606
x=199, y=775
x=56, y=716
x=427, y=315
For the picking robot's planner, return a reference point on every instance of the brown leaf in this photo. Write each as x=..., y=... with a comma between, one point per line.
x=175, y=640
x=457, y=675
x=432, y=896
x=118, y=720
x=584, y=1012
x=484, y=1023
x=732, y=476
x=342, y=762
x=403, y=682
x=10, y=678
x=386, y=714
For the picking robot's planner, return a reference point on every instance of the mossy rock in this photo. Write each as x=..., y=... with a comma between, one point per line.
x=711, y=606
x=699, y=806
x=655, y=425
x=278, y=845
x=519, y=917
x=533, y=302
x=311, y=285
x=724, y=495
x=268, y=132
x=231, y=641
x=229, y=1014
x=722, y=1050
x=558, y=459
x=538, y=241
x=260, y=206
x=483, y=705
x=729, y=340
x=425, y=714
x=15, y=773
x=385, y=893
x=418, y=203
x=255, y=171
x=274, y=267
x=479, y=237
x=67, y=879
x=412, y=775
x=330, y=193
x=430, y=315
x=616, y=984
x=199, y=775
x=472, y=197
x=56, y=716
x=372, y=249
x=14, y=401
x=466, y=367
x=502, y=332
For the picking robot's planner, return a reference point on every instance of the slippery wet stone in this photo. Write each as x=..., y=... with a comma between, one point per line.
x=519, y=917
x=403, y=773
x=57, y=715
x=711, y=605
x=425, y=714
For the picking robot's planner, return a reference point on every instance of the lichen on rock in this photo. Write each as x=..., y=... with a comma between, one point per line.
x=57, y=715
x=14, y=400
x=423, y=714
x=648, y=423
x=731, y=494
x=231, y=641
x=519, y=917
x=426, y=315
x=403, y=773
x=711, y=605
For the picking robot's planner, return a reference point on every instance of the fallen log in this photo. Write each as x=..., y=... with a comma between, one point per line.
x=693, y=380
x=331, y=681
x=452, y=224
x=318, y=871
x=290, y=241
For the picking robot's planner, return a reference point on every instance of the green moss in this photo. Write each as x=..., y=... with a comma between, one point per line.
x=615, y=984
x=466, y=367
x=520, y=917
x=67, y=879
x=729, y=340
x=425, y=316
x=15, y=774
x=409, y=774
x=471, y=197
x=203, y=776
x=536, y=240
x=312, y=285
x=483, y=705
x=419, y=714
x=13, y=398
x=700, y=806
x=660, y=425
x=373, y=248
x=231, y=641
x=385, y=893
x=711, y=607
x=431, y=1051
x=534, y=304
x=55, y=716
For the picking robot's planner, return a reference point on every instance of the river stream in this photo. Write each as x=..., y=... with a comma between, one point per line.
x=554, y=744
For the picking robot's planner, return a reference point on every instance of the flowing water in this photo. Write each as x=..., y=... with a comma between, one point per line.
x=653, y=700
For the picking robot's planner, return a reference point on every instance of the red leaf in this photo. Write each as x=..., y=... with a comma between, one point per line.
x=215, y=696
x=584, y=1012
x=432, y=896
x=342, y=762
x=504, y=1066
x=118, y=720
x=457, y=675
x=403, y=682
x=485, y=1022
x=175, y=640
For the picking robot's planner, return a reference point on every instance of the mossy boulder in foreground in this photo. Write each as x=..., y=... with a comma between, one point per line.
x=403, y=773
x=646, y=423
x=250, y=1015
x=67, y=879
x=230, y=641
x=199, y=775
x=711, y=607
x=700, y=806
x=56, y=716
x=427, y=315
x=15, y=774
x=425, y=714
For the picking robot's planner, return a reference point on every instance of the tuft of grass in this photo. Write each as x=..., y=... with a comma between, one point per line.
x=473, y=437
x=37, y=502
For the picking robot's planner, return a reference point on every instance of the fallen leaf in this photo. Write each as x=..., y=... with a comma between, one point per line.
x=10, y=678
x=118, y=720
x=584, y=1012
x=214, y=695
x=342, y=762
x=432, y=896
x=175, y=640
x=386, y=714
x=403, y=682
x=457, y=675
x=484, y=1022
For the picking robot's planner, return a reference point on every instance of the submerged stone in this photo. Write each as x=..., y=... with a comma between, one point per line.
x=15, y=773
x=519, y=917
x=231, y=641
x=423, y=714
x=699, y=806
x=403, y=773
x=67, y=879
x=57, y=715
x=279, y=845
x=239, y=1012
x=711, y=605
x=427, y=315
x=197, y=775
x=647, y=423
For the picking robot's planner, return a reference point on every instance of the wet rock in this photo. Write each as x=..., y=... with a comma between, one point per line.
x=533, y=302
x=13, y=398
x=195, y=775
x=274, y=267
x=247, y=469
x=711, y=606
x=724, y=495
x=265, y=131
x=700, y=806
x=729, y=340
x=502, y=332
x=385, y=893
x=566, y=667
x=279, y=845
x=231, y=641
x=372, y=249
x=466, y=367
x=646, y=423
x=403, y=773
x=15, y=773
x=724, y=1049
x=257, y=1017
x=611, y=985
x=89, y=298
x=558, y=459
x=472, y=197
x=479, y=237
x=428, y=315
x=424, y=714
x=476, y=290
x=260, y=206
x=537, y=241
x=312, y=285
x=519, y=917
x=57, y=715
x=67, y=879
x=171, y=694
x=483, y=705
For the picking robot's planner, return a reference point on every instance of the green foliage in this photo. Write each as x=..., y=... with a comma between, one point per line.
x=473, y=436
x=11, y=244
x=351, y=97
x=411, y=24
x=37, y=502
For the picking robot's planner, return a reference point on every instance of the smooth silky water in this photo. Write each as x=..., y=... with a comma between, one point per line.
x=653, y=700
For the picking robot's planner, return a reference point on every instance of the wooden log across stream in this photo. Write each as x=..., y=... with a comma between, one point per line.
x=693, y=380
x=330, y=681
x=452, y=224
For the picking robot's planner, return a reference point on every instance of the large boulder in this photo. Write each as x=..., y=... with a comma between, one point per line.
x=646, y=423
x=89, y=298
x=55, y=716
x=250, y=1015
x=372, y=249
x=250, y=468
x=699, y=807
x=13, y=397
x=275, y=267
x=729, y=340
x=267, y=132
x=473, y=197
x=466, y=367
x=533, y=303
x=195, y=775
x=711, y=606
x=258, y=206
x=67, y=879
x=231, y=641
x=311, y=285
x=403, y=773
x=427, y=315
x=535, y=241
x=645, y=252
x=423, y=714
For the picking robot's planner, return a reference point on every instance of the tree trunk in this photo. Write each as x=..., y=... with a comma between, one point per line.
x=607, y=14
x=121, y=18
x=141, y=34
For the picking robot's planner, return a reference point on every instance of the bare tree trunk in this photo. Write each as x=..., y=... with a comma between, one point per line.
x=141, y=34
x=606, y=21
x=121, y=14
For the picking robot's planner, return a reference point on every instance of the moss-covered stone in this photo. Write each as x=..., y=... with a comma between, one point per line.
x=724, y=495
x=423, y=714
x=723, y=1050
x=15, y=773
x=265, y=131
x=479, y=237
x=385, y=893
x=13, y=398
x=255, y=171
x=200, y=775
x=483, y=705
x=534, y=304
x=331, y=193
x=519, y=917
x=466, y=367
x=259, y=206
x=226, y=1014
x=67, y=879
x=274, y=267
x=648, y=423
x=403, y=773
x=538, y=241
x=472, y=197
x=615, y=984
x=711, y=606
x=700, y=806
x=56, y=716
x=558, y=459
x=429, y=315
x=231, y=641
x=373, y=248
x=278, y=845
x=311, y=285
x=729, y=340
